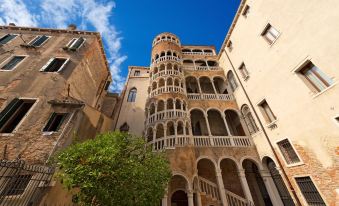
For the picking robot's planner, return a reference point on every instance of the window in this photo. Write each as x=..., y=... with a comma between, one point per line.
x=54, y=122
x=136, y=73
x=12, y=63
x=124, y=127
x=246, y=11
x=7, y=38
x=54, y=65
x=288, y=152
x=75, y=44
x=16, y=185
x=270, y=34
x=132, y=95
x=267, y=112
x=315, y=78
x=231, y=80
x=107, y=85
x=39, y=40
x=230, y=46
x=249, y=120
x=309, y=191
x=243, y=71
x=12, y=115
x=336, y=120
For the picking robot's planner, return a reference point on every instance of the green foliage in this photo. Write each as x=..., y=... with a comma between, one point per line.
x=114, y=169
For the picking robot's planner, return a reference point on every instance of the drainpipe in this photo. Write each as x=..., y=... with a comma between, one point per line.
x=263, y=129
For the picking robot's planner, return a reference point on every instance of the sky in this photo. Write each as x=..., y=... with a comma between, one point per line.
x=128, y=26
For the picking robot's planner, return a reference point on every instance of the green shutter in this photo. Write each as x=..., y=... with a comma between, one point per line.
x=9, y=110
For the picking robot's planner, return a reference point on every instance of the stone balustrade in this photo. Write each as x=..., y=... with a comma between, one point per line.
x=202, y=68
x=198, y=53
x=167, y=58
x=164, y=115
x=224, y=97
x=166, y=73
x=168, y=89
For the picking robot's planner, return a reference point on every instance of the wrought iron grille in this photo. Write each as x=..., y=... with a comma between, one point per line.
x=22, y=184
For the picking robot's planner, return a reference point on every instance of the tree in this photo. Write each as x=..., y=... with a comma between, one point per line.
x=114, y=169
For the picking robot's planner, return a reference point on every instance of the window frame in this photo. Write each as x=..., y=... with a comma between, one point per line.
x=24, y=118
x=234, y=80
x=30, y=43
x=301, y=162
x=245, y=11
x=315, y=185
x=229, y=45
x=11, y=39
x=42, y=69
x=261, y=108
x=245, y=75
x=137, y=71
x=264, y=32
x=7, y=60
x=69, y=45
x=134, y=96
x=66, y=115
x=256, y=128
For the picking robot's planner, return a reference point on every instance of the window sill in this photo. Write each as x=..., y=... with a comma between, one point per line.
x=325, y=90
x=48, y=133
x=6, y=134
x=246, y=78
x=272, y=125
x=294, y=164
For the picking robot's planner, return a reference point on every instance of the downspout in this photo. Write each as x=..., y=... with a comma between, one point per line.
x=263, y=129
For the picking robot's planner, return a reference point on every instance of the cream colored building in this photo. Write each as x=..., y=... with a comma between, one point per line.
x=257, y=123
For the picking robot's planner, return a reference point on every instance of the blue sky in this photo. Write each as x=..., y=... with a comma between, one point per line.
x=128, y=26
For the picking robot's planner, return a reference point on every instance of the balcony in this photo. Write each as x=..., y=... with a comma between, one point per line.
x=167, y=89
x=202, y=68
x=164, y=115
x=167, y=58
x=223, y=97
x=198, y=53
x=166, y=73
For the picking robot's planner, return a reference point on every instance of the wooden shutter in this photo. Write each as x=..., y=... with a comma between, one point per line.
x=47, y=64
x=9, y=110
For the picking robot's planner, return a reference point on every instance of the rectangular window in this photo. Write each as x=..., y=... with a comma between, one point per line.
x=75, y=44
x=16, y=185
x=270, y=34
x=230, y=46
x=246, y=11
x=318, y=81
x=243, y=71
x=267, y=112
x=7, y=38
x=107, y=85
x=12, y=63
x=39, y=40
x=54, y=122
x=55, y=65
x=136, y=73
x=309, y=191
x=12, y=115
x=288, y=152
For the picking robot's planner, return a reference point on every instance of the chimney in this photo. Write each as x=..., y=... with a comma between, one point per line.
x=72, y=27
x=11, y=24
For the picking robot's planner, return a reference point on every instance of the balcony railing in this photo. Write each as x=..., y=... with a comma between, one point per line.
x=224, y=97
x=167, y=58
x=168, y=114
x=170, y=142
x=198, y=53
x=168, y=89
x=166, y=40
x=202, y=68
x=166, y=73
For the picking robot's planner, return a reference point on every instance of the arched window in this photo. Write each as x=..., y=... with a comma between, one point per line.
x=124, y=127
x=232, y=81
x=251, y=125
x=132, y=95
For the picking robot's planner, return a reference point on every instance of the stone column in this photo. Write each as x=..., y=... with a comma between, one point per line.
x=154, y=137
x=190, y=198
x=199, y=86
x=209, y=129
x=244, y=185
x=165, y=109
x=271, y=188
x=215, y=91
x=165, y=135
x=176, y=133
x=164, y=200
x=226, y=125
x=221, y=187
x=198, y=199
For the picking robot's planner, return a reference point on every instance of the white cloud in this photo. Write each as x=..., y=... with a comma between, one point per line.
x=86, y=13
x=15, y=11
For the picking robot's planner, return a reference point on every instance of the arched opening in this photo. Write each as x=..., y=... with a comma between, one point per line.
x=169, y=81
x=249, y=120
x=162, y=68
x=179, y=198
x=220, y=85
x=230, y=177
x=154, y=86
x=207, y=174
x=180, y=128
x=216, y=122
x=174, y=54
x=187, y=128
x=197, y=50
x=132, y=95
x=177, y=104
x=256, y=184
x=206, y=85
x=231, y=80
x=170, y=129
x=161, y=106
x=186, y=50
x=150, y=134
x=201, y=63
x=192, y=85
x=198, y=121
x=234, y=124
x=161, y=83
x=176, y=82
x=160, y=131
x=163, y=37
x=278, y=181
x=156, y=57
x=169, y=67
x=162, y=54
x=152, y=109
x=212, y=63
x=170, y=104
x=207, y=51
x=175, y=67
x=188, y=62
x=169, y=53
